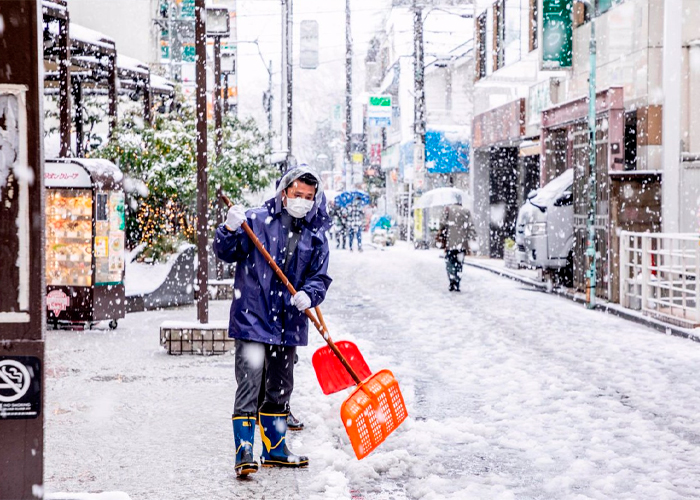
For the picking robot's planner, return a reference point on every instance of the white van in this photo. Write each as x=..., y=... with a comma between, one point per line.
x=544, y=232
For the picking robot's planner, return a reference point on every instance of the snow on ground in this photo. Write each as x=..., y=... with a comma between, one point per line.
x=511, y=393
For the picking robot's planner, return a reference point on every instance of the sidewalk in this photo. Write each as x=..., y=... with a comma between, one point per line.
x=530, y=277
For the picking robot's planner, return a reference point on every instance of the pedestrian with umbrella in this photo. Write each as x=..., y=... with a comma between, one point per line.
x=352, y=205
x=455, y=232
x=356, y=221
x=267, y=322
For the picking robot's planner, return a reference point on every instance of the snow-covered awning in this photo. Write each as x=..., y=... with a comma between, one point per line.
x=131, y=64
x=92, y=37
x=161, y=85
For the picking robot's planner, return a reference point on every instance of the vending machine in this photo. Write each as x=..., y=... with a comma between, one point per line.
x=85, y=237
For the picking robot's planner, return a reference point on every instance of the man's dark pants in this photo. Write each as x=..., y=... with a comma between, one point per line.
x=278, y=363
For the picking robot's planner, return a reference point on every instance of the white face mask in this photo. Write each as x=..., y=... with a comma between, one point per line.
x=299, y=207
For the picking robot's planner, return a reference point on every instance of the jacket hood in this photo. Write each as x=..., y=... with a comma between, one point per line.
x=318, y=217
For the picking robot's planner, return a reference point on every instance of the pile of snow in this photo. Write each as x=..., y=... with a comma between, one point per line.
x=141, y=278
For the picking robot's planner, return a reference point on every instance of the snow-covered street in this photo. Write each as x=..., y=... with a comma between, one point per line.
x=511, y=393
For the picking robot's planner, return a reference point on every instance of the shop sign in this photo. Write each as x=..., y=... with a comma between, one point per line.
x=57, y=301
x=308, y=46
x=556, y=34
x=502, y=124
x=58, y=175
x=20, y=387
x=379, y=110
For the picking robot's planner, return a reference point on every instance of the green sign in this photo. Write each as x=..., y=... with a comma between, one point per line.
x=188, y=52
x=556, y=34
x=187, y=9
x=380, y=101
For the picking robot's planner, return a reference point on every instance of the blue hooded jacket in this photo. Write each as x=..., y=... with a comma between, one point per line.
x=261, y=310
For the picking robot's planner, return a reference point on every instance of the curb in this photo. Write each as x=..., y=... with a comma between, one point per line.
x=605, y=307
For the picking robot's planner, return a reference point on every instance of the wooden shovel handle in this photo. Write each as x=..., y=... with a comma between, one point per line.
x=319, y=324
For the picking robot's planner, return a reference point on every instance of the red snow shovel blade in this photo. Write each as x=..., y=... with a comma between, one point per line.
x=331, y=374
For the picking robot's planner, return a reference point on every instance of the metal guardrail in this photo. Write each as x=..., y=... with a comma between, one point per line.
x=660, y=276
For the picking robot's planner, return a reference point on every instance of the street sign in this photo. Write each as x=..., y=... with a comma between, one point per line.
x=308, y=48
x=379, y=110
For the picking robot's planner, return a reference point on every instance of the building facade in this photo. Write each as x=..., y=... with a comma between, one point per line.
x=632, y=85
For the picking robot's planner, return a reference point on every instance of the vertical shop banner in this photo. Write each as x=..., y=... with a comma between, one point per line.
x=556, y=34
x=418, y=223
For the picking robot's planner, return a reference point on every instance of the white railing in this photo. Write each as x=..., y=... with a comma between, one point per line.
x=660, y=275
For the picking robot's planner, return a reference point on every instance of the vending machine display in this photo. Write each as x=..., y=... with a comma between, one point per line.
x=84, y=241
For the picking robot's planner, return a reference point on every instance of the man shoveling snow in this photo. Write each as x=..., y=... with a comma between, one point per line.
x=267, y=322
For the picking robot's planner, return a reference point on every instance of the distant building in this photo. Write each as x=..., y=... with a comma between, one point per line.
x=448, y=67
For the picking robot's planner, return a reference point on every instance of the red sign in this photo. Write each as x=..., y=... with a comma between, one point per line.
x=57, y=301
x=375, y=154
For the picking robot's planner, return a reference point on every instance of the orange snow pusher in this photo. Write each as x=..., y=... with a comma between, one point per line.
x=376, y=407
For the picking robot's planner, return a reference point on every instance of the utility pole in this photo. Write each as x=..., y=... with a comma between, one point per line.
x=591, y=274
x=171, y=11
x=22, y=222
x=200, y=41
x=671, y=126
x=287, y=60
x=348, y=92
x=268, y=106
x=218, y=139
x=418, y=108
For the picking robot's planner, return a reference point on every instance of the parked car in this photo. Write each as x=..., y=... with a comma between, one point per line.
x=544, y=232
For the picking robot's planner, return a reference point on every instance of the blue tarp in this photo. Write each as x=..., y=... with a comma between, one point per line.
x=445, y=156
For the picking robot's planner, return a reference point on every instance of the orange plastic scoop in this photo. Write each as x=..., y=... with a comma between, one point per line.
x=373, y=411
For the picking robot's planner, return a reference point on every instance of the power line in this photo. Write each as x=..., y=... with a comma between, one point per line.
x=302, y=13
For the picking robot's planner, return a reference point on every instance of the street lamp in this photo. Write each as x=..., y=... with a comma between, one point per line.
x=218, y=26
x=228, y=67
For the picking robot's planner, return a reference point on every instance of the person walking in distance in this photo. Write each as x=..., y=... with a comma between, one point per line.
x=267, y=322
x=455, y=232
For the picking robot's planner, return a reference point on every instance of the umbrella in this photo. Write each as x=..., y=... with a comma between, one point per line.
x=443, y=196
x=346, y=197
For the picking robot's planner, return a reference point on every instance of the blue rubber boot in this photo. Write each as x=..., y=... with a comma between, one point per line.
x=273, y=431
x=243, y=435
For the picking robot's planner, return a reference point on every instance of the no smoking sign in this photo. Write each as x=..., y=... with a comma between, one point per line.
x=20, y=387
